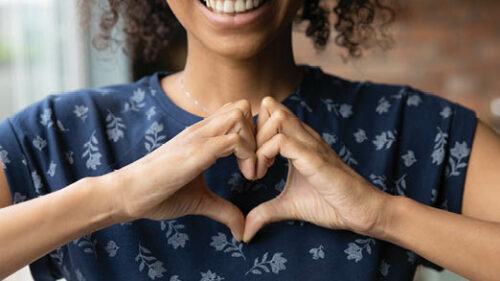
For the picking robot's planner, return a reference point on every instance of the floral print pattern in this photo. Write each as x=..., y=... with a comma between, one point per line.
x=81, y=111
x=91, y=152
x=4, y=157
x=136, y=102
x=384, y=140
x=46, y=118
x=221, y=243
x=175, y=237
x=343, y=110
x=439, y=142
x=210, y=276
x=145, y=259
x=112, y=249
x=39, y=143
x=377, y=130
x=409, y=158
x=360, y=136
x=355, y=249
x=274, y=265
x=114, y=127
x=153, y=136
x=317, y=253
x=457, y=154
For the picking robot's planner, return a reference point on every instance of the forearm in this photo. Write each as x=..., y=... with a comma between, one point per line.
x=466, y=246
x=33, y=228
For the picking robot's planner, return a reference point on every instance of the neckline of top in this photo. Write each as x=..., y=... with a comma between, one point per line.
x=187, y=118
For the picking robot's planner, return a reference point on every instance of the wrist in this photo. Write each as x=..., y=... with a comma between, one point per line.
x=112, y=187
x=392, y=207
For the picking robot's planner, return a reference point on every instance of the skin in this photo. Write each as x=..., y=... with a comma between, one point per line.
x=232, y=64
x=320, y=188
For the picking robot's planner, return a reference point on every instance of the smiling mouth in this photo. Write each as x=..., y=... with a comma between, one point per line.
x=232, y=6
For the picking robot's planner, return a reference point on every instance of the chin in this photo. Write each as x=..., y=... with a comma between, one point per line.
x=237, y=47
x=238, y=35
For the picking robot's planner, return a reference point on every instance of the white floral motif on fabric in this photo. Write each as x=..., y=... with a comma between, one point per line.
x=136, y=102
x=317, y=253
x=274, y=265
x=457, y=154
x=92, y=153
x=355, y=249
x=221, y=243
x=115, y=127
x=439, y=142
x=154, y=137
x=175, y=237
x=145, y=259
x=4, y=157
x=210, y=276
x=81, y=111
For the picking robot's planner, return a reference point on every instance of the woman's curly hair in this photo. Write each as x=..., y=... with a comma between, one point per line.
x=149, y=25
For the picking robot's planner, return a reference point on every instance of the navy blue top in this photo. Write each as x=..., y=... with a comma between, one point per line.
x=402, y=140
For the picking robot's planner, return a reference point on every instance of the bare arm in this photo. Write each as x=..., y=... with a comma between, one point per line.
x=324, y=190
x=33, y=228
x=165, y=184
x=467, y=244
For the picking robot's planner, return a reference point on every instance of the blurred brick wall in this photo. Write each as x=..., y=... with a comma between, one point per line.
x=448, y=47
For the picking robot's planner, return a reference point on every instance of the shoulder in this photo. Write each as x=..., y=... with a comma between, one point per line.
x=417, y=138
x=378, y=103
x=370, y=92
x=61, y=110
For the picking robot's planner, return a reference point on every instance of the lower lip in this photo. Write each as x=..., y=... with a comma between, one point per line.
x=234, y=20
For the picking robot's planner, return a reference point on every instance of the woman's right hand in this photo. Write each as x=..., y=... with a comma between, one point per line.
x=168, y=183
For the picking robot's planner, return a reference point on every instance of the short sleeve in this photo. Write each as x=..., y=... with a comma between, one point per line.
x=460, y=137
x=15, y=165
x=458, y=142
x=24, y=182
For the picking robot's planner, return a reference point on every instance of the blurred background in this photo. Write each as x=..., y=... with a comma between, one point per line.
x=450, y=48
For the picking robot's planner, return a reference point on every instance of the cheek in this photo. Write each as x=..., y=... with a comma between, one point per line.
x=183, y=11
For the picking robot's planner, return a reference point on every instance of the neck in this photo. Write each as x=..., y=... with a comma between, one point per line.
x=214, y=80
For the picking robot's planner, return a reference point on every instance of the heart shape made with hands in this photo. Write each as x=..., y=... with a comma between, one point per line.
x=314, y=168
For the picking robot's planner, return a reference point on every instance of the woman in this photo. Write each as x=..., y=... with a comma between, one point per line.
x=246, y=166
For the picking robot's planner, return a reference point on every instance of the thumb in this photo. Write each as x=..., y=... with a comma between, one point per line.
x=267, y=212
x=223, y=211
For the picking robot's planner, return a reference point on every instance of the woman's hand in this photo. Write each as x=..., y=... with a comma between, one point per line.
x=320, y=188
x=169, y=183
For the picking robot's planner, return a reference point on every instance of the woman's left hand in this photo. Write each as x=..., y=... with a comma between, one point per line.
x=320, y=188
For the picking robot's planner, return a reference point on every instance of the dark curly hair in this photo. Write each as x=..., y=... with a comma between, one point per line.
x=149, y=25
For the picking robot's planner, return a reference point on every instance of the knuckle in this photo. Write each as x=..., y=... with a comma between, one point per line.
x=244, y=104
x=281, y=138
x=280, y=114
x=234, y=138
x=260, y=155
x=259, y=217
x=267, y=101
x=236, y=114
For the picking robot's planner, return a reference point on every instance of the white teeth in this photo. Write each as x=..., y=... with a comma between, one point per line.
x=239, y=6
x=249, y=5
x=232, y=6
x=228, y=7
x=218, y=6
